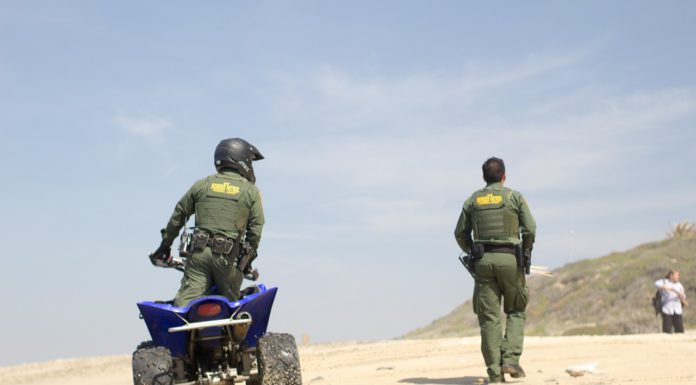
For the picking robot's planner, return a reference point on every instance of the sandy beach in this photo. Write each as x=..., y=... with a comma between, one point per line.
x=635, y=359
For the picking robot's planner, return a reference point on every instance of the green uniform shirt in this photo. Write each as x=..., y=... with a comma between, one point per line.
x=463, y=230
x=249, y=202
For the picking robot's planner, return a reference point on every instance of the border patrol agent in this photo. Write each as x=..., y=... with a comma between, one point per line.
x=228, y=209
x=496, y=216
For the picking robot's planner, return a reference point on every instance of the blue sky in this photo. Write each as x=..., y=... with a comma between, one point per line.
x=374, y=118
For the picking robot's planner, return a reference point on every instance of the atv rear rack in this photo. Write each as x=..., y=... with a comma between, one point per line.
x=209, y=324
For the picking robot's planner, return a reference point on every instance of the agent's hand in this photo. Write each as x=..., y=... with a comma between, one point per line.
x=162, y=253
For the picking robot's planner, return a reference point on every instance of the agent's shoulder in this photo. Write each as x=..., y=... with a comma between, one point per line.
x=202, y=182
x=476, y=193
x=513, y=196
x=512, y=192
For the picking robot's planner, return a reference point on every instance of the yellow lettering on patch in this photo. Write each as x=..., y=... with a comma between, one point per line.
x=489, y=199
x=224, y=188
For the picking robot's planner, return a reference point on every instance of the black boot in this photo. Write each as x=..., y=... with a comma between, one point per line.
x=514, y=370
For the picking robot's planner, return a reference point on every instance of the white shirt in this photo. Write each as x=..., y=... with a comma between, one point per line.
x=671, y=304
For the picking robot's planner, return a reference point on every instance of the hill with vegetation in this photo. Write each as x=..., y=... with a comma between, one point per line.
x=607, y=295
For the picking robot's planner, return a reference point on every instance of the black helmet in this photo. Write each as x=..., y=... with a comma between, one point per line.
x=237, y=154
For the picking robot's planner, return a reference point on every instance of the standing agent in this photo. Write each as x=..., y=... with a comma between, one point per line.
x=228, y=210
x=673, y=297
x=496, y=216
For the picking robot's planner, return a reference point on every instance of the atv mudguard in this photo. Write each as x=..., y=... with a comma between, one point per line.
x=160, y=317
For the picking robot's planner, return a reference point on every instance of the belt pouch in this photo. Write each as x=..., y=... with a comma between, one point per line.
x=218, y=245
x=229, y=244
x=200, y=241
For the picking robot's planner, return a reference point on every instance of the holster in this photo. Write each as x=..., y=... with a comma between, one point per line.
x=246, y=256
x=477, y=250
x=524, y=258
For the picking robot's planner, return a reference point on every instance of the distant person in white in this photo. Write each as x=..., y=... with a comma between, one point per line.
x=673, y=297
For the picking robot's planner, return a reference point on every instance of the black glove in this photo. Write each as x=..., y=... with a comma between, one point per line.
x=251, y=275
x=162, y=253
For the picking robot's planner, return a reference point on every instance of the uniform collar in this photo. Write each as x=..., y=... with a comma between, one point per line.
x=228, y=172
x=494, y=186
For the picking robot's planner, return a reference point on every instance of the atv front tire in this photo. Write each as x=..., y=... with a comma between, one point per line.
x=279, y=361
x=152, y=365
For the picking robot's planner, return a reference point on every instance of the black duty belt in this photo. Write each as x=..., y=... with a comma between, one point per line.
x=500, y=249
x=218, y=244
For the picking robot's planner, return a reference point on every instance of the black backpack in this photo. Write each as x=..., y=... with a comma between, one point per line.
x=657, y=302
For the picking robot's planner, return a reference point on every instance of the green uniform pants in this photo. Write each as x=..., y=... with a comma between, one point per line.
x=202, y=271
x=497, y=274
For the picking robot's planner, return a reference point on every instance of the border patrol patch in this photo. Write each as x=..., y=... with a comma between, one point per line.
x=224, y=188
x=489, y=199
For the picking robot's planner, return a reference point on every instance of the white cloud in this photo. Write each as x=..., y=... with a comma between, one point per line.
x=571, y=148
x=150, y=128
x=620, y=204
x=370, y=214
x=334, y=99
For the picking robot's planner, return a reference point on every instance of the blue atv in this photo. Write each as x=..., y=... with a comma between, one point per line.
x=214, y=341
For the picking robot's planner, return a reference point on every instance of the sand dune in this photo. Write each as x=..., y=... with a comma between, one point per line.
x=636, y=360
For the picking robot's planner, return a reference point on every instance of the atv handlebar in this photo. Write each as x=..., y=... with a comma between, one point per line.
x=168, y=262
x=178, y=263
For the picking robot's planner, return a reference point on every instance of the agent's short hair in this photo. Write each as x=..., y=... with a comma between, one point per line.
x=670, y=273
x=493, y=170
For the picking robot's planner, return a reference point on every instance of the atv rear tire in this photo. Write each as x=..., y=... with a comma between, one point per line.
x=152, y=365
x=279, y=361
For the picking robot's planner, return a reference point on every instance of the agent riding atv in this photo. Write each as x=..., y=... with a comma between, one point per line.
x=212, y=332
x=214, y=340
